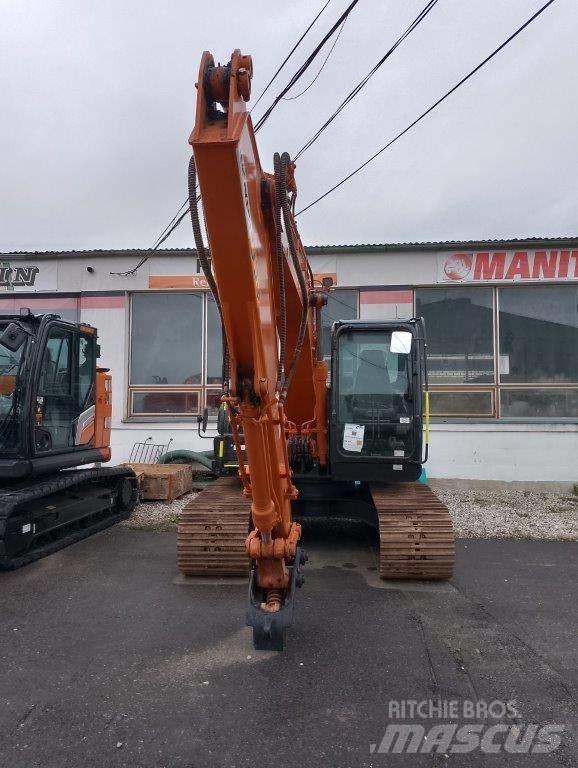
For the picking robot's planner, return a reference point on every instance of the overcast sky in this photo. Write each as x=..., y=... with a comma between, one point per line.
x=97, y=101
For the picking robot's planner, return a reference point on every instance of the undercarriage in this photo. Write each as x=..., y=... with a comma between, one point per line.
x=39, y=517
x=415, y=534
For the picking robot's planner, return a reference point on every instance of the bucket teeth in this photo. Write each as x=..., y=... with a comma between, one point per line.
x=415, y=533
x=212, y=531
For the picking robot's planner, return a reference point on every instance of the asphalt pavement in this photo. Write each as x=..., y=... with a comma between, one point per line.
x=109, y=659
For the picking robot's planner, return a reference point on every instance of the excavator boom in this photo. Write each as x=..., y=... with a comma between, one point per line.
x=261, y=280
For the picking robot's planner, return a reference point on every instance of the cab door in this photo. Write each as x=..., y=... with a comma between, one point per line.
x=65, y=392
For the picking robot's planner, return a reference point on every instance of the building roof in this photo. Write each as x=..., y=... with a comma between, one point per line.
x=353, y=248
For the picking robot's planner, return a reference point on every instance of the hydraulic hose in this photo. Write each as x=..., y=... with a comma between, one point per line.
x=281, y=271
x=202, y=457
x=288, y=221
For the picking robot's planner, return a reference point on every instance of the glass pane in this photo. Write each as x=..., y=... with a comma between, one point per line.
x=57, y=408
x=55, y=375
x=86, y=366
x=460, y=333
x=341, y=305
x=213, y=402
x=214, y=343
x=11, y=365
x=386, y=305
x=461, y=404
x=539, y=333
x=66, y=307
x=165, y=402
x=166, y=338
x=539, y=403
x=373, y=384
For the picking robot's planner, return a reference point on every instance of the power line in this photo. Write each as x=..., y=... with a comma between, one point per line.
x=165, y=234
x=430, y=109
x=292, y=98
x=307, y=63
x=352, y=94
x=291, y=52
x=178, y=217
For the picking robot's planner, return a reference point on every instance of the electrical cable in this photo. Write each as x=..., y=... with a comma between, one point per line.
x=303, y=68
x=353, y=93
x=292, y=98
x=430, y=109
x=291, y=52
x=165, y=234
x=173, y=224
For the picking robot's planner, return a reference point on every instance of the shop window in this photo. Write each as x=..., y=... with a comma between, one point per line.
x=175, y=354
x=214, y=343
x=539, y=403
x=460, y=333
x=165, y=402
x=166, y=339
x=462, y=403
x=538, y=335
x=67, y=307
x=341, y=305
x=386, y=305
x=213, y=401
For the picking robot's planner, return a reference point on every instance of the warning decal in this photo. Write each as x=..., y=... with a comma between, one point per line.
x=353, y=437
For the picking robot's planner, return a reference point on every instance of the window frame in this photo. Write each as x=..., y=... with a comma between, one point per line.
x=202, y=389
x=497, y=385
x=494, y=387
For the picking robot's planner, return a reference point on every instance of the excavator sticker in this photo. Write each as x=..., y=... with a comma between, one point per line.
x=353, y=437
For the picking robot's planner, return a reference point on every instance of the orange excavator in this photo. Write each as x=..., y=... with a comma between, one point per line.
x=55, y=414
x=307, y=444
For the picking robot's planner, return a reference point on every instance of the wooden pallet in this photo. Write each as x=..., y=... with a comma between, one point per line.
x=163, y=482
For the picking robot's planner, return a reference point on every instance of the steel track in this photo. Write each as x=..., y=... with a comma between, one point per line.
x=212, y=531
x=415, y=532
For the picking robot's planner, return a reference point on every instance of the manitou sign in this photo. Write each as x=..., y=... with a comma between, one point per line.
x=484, y=266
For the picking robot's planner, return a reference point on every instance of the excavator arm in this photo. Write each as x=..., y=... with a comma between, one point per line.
x=275, y=376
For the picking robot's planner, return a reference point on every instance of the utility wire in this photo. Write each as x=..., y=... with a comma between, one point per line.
x=352, y=94
x=430, y=109
x=292, y=98
x=165, y=234
x=291, y=52
x=307, y=63
x=180, y=216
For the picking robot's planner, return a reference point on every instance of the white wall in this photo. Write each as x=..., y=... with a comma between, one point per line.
x=507, y=452
x=503, y=452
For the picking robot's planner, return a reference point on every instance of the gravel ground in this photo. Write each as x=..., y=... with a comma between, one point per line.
x=156, y=515
x=476, y=513
x=512, y=514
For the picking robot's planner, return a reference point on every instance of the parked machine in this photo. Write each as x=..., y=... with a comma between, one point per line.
x=306, y=445
x=55, y=410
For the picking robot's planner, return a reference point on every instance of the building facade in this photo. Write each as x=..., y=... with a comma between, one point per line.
x=501, y=317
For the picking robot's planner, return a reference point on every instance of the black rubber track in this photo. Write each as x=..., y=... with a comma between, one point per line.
x=12, y=498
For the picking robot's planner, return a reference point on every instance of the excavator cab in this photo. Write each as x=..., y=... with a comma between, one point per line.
x=377, y=400
x=49, y=396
